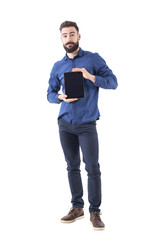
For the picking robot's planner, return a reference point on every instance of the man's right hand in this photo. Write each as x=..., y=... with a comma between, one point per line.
x=62, y=97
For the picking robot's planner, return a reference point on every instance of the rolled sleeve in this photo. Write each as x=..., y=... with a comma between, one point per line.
x=104, y=75
x=53, y=89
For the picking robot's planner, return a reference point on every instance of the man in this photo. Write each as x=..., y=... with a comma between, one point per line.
x=77, y=120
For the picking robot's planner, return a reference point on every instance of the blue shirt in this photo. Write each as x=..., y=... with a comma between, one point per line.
x=85, y=109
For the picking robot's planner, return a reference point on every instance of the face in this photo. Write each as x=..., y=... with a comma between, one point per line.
x=70, y=39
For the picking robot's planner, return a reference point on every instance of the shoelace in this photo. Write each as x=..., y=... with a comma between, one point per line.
x=97, y=215
x=72, y=210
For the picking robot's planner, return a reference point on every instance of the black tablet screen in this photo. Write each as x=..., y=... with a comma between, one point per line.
x=74, y=84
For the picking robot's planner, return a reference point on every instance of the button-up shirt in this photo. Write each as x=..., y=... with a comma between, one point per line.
x=85, y=109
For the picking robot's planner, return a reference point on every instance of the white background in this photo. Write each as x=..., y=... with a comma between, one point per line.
x=33, y=179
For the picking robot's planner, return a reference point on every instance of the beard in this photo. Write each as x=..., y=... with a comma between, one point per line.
x=71, y=49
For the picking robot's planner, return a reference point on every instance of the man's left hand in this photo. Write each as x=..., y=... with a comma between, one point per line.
x=86, y=74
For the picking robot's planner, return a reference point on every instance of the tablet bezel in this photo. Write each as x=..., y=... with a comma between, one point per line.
x=74, y=91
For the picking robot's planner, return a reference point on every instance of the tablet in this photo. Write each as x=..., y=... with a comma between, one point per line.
x=74, y=84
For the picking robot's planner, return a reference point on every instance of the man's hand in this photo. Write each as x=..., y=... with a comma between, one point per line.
x=86, y=74
x=62, y=97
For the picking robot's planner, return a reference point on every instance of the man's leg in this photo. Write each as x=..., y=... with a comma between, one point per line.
x=88, y=140
x=70, y=146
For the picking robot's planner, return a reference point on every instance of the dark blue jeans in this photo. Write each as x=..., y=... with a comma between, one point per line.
x=72, y=137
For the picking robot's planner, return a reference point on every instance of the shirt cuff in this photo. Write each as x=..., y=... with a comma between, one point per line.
x=97, y=81
x=58, y=101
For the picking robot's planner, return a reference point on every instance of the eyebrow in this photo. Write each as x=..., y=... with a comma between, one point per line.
x=67, y=33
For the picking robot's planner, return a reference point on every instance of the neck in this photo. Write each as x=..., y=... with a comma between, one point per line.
x=73, y=54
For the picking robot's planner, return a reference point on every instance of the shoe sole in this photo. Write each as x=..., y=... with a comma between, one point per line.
x=70, y=221
x=98, y=229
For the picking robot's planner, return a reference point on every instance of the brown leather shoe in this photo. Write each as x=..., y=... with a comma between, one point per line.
x=74, y=214
x=96, y=221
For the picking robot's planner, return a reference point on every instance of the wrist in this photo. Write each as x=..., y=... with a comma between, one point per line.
x=92, y=78
x=60, y=97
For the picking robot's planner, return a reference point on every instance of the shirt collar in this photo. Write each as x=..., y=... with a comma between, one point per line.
x=80, y=54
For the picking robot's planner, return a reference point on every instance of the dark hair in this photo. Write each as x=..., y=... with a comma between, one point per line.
x=68, y=24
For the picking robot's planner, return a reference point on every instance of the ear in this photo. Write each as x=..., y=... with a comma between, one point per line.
x=79, y=36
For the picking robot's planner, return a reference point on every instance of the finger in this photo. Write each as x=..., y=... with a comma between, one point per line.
x=70, y=100
x=76, y=70
x=64, y=95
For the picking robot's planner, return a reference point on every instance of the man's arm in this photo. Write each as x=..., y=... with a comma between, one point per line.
x=103, y=77
x=53, y=89
x=54, y=86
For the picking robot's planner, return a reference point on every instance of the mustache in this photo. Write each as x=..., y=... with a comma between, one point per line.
x=69, y=43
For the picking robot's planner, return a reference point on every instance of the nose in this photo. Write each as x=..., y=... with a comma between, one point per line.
x=69, y=38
